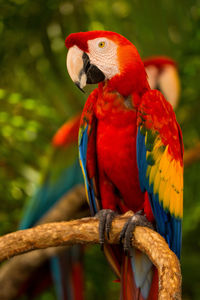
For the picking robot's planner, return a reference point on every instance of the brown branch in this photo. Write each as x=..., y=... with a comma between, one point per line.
x=85, y=231
x=14, y=272
x=17, y=270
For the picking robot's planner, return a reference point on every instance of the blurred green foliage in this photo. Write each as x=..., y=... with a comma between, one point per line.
x=36, y=96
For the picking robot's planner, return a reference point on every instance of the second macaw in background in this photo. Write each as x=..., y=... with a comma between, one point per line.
x=63, y=174
x=162, y=74
x=131, y=152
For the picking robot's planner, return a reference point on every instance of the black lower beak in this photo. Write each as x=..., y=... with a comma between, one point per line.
x=93, y=74
x=78, y=85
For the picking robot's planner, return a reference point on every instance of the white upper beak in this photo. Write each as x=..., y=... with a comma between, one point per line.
x=74, y=64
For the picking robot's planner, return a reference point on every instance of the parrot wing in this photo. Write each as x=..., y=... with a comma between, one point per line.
x=160, y=165
x=88, y=162
x=87, y=152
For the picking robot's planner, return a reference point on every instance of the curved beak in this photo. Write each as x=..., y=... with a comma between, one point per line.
x=75, y=67
x=80, y=69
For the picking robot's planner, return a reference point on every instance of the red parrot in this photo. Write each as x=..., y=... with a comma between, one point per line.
x=61, y=175
x=130, y=150
x=57, y=179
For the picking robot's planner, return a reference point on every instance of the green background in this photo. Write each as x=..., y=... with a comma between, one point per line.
x=37, y=96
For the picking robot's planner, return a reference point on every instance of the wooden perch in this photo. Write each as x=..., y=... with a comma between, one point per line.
x=14, y=272
x=85, y=231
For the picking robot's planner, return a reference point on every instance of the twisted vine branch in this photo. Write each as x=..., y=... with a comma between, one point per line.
x=15, y=272
x=85, y=231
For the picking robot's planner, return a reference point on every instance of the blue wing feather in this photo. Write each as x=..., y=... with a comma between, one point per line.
x=83, y=144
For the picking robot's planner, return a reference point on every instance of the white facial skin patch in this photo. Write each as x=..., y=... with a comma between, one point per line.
x=103, y=54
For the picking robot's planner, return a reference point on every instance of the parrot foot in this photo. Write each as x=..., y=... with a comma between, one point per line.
x=105, y=217
x=127, y=232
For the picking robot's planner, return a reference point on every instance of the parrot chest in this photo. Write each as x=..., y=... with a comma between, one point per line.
x=116, y=154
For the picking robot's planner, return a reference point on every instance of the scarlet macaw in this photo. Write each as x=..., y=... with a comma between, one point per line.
x=131, y=152
x=61, y=175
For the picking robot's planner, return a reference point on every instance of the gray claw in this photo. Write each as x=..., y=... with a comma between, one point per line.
x=105, y=217
x=127, y=232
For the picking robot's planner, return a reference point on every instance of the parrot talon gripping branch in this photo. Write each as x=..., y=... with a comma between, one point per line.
x=138, y=219
x=131, y=155
x=105, y=217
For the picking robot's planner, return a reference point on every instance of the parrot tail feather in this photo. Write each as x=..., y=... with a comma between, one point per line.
x=139, y=278
x=129, y=290
x=67, y=270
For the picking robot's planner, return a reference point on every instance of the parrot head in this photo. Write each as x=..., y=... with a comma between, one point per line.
x=162, y=72
x=105, y=56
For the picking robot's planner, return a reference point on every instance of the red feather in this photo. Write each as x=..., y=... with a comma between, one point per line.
x=162, y=120
x=159, y=61
x=80, y=39
x=67, y=133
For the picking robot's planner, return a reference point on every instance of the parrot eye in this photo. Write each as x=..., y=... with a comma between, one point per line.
x=101, y=44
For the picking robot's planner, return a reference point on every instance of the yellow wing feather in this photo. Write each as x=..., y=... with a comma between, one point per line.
x=166, y=176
